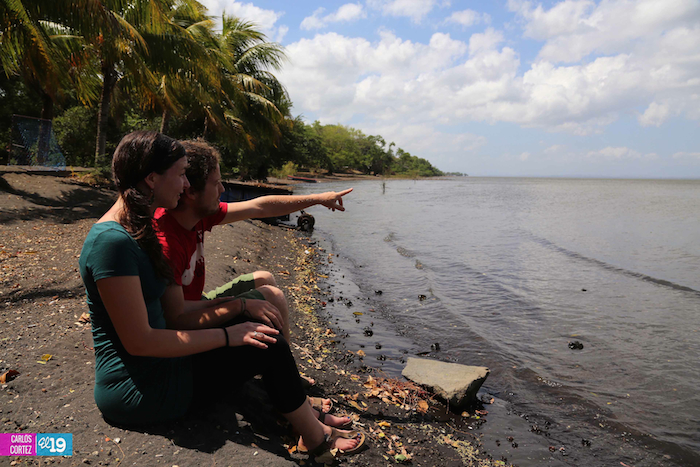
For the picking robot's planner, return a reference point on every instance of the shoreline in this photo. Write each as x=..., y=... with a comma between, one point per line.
x=41, y=303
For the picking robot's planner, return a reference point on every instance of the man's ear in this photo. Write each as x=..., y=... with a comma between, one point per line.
x=189, y=193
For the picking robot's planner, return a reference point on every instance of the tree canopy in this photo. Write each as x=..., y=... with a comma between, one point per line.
x=108, y=67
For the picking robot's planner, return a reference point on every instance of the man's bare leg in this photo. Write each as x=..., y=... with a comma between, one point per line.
x=264, y=278
x=276, y=297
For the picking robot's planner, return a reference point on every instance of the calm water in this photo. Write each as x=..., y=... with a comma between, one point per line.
x=504, y=263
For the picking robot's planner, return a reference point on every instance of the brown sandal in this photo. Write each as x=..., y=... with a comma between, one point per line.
x=322, y=419
x=323, y=453
x=317, y=403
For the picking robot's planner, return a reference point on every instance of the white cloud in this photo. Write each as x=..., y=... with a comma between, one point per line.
x=655, y=114
x=406, y=90
x=485, y=41
x=618, y=153
x=574, y=29
x=555, y=149
x=422, y=140
x=524, y=156
x=414, y=9
x=640, y=53
x=346, y=13
x=687, y=155
x=266, y=20
x=281, y=32
x=467, y=18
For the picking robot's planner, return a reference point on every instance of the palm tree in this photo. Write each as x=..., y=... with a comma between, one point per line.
x=182, y=59
x=120, y=50
x=46, y=54
x=250, y=104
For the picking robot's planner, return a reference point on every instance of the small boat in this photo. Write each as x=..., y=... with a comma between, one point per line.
x=303, y=179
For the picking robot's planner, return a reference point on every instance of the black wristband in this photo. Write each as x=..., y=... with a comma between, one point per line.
x=225, y=334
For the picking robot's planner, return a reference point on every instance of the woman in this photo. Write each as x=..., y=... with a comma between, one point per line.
x=144, y=372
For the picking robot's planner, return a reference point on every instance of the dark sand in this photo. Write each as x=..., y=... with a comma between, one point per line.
x=43, y=222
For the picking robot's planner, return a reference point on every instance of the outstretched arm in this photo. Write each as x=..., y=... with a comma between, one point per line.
x=280, y=205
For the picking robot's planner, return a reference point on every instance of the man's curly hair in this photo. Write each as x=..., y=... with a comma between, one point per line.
x=203, y=160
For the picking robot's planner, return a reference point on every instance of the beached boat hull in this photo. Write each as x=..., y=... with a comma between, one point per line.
x=238, y=191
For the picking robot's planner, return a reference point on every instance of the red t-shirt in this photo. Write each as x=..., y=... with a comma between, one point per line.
x=184, y=249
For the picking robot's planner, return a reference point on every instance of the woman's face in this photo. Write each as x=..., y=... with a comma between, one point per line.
x=168, y=186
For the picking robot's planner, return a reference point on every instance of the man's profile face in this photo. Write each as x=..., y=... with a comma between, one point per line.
x=208, y=199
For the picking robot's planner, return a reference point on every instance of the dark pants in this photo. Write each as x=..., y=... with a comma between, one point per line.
x=220, y=369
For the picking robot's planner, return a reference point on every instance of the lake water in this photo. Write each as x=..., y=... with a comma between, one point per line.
x=515, y=269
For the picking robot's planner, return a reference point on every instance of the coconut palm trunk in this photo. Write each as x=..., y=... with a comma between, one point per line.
x=165, y=122
x=44, y=128
x=109, y=82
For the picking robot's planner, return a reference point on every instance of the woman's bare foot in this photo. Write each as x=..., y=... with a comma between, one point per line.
x=332, y=420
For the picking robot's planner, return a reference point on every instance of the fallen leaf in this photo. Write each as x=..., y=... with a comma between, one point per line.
x=84, y=318
x=384, y=424
x=361, y=353
x=355, y=405
x=8, y=376
x=46, y=357
x=357, y=313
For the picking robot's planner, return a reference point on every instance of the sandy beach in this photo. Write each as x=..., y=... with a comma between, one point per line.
x=43, y=221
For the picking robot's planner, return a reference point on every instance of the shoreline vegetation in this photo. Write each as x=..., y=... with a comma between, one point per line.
x=77, y=76
x=47, y=339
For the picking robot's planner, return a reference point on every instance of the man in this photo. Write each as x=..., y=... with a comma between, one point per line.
x=181, y=232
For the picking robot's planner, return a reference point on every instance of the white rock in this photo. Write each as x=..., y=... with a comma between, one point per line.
x=457, y=384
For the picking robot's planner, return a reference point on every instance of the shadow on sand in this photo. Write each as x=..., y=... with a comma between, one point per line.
x=75, y=202
x=246, y=419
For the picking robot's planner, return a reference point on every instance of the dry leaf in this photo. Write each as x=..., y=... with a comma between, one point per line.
x=355, y=405
x=8, y=376
x=361, y=353
x=84, y=318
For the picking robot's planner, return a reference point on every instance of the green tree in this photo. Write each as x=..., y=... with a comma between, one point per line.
x=45, y=53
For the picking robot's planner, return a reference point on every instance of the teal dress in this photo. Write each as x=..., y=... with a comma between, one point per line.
x=130, y=389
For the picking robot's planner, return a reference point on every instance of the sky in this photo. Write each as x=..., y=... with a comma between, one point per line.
x=578, y=88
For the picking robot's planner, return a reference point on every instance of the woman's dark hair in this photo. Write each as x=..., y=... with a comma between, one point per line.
x=139, y=154
x=202, y=160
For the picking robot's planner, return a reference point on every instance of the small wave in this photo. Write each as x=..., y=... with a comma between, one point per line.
x=610, y=267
